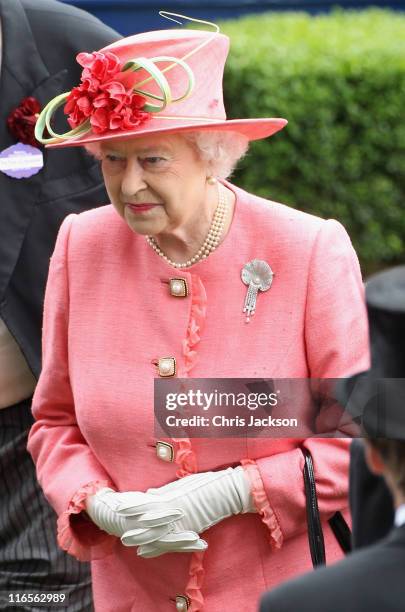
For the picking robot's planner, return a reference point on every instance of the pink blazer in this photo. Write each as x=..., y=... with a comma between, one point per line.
x=109, y=315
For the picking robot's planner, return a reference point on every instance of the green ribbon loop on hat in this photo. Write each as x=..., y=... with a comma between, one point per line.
x=44, y=120
x=157, y=75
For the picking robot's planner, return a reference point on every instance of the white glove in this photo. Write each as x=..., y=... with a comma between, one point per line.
x=145, y=516
x=205, y=499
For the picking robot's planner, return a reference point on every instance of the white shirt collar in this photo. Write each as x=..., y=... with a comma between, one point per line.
x=400, y=516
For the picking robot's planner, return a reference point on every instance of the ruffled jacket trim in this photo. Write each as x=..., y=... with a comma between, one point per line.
x=78, y=535
x=195, y=327
x=195, y=582
x=185, y=456
x=262, y=503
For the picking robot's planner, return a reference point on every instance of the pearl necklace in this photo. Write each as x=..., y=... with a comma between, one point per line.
x=213, y=237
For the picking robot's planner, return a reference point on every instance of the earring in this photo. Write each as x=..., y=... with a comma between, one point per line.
x=211, y=180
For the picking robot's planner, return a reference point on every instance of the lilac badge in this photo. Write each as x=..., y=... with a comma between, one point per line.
x=21, y=161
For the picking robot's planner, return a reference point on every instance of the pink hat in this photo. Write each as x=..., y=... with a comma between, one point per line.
x=156, y=82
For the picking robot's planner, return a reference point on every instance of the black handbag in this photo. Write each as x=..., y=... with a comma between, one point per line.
x=338, y=524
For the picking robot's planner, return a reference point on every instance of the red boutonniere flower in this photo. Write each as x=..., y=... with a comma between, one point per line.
x=102, y=96
x=21, y=121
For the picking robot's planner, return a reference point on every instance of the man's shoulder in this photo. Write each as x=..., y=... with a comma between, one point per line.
x=370, y=579
x=55, y=9
x=70, y=28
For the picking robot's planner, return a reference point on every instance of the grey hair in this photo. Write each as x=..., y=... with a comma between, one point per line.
x=94, y=149
x=221, y=150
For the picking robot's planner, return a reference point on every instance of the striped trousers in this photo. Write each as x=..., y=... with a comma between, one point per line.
x=30, y=559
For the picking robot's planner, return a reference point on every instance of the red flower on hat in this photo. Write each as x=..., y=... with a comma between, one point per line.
x=98, y=66
x=102, y=97
x=21, y=121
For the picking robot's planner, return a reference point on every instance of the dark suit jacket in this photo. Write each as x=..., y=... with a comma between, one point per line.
x=368, y=580
x=41, y=39
x=371, y=502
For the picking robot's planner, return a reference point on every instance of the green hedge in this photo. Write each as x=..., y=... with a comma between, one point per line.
x=339, y=79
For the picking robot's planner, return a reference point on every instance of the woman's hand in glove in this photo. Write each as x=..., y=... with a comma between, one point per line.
x=145, y=516
x=205, y=499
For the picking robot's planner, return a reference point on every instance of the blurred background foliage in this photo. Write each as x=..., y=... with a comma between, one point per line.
x=339, y=79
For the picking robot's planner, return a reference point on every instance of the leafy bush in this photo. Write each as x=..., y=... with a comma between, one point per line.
x=339, y=79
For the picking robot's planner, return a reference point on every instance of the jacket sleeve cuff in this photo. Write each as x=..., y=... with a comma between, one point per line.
x=262, y=503
x=77, y=534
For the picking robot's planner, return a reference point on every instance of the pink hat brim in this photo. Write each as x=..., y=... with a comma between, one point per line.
x=253, y=129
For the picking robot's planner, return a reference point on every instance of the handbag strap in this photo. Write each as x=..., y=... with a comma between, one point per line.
x=337, y=522
x=315, y=533
x=342, y=531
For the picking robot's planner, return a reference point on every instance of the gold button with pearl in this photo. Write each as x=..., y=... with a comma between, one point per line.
x=166, y=366
x=182, y=603
x=164, y=451
x=178, y=287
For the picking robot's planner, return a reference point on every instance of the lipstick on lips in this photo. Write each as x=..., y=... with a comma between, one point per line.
x=139, y=208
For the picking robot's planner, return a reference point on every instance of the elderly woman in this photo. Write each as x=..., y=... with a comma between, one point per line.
x=151, y=287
